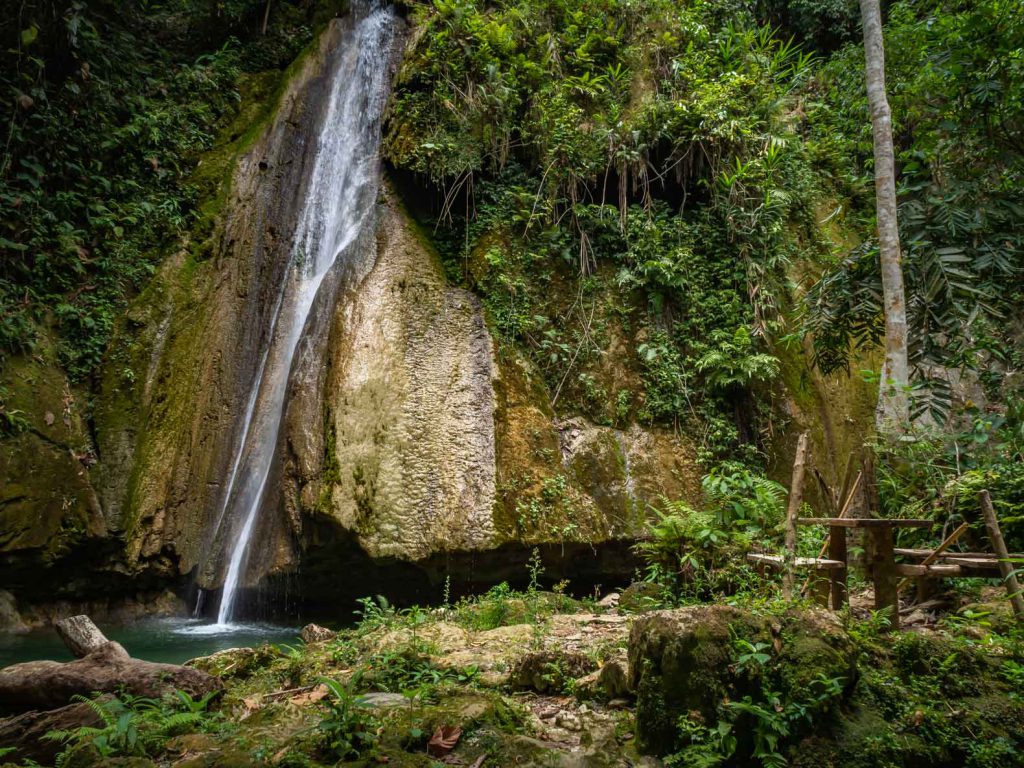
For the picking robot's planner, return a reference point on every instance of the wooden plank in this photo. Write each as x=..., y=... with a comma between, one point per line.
x=865, y=522
x=936, y=570
x=835, y=545
x=778, y=561
x=922, y=553
x=976, y=565
x=851, y=486
x=937, y=552
x=827, y=493
x=796, y=498
x=851, y=495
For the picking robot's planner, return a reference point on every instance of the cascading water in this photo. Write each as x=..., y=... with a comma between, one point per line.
x=340, y=196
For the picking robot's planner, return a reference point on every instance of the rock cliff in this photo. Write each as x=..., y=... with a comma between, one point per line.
x=410, y=436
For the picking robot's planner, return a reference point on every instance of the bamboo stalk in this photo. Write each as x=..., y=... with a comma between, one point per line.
x=950, y=541
x=828, y=536
x=1005, y=566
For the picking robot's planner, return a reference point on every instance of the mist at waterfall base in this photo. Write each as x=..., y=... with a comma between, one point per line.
x=339, y=201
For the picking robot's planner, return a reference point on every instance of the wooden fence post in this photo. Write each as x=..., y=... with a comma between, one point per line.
x=796, y=498
x=1006, y=568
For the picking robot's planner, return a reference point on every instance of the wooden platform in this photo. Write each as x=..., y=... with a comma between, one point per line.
x=923, y=553
x=778, y=561
x=975, y=565
x=865, y=522
x=935, y=570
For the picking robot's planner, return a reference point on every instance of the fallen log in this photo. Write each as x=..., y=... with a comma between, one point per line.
x=25, y=733
x=105, y=667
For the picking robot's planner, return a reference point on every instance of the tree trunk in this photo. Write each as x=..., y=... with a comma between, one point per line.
x=893, y=412
x=796, y=499
x=49, y=684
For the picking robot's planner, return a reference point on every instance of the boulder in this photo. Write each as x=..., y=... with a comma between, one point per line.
x=314, y=633
x=549, y=671
x=614, y=678
x=236, y=662
x=682, y=662
x=640, y=596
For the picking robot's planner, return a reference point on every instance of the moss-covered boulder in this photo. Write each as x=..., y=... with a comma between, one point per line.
x=549, y=671
x=679, y=663
x=684, y=662
x=640, y=596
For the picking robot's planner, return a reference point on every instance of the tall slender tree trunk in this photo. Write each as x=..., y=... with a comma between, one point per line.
x=893, y=412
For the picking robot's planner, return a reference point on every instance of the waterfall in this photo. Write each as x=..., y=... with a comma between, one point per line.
x=339, y=200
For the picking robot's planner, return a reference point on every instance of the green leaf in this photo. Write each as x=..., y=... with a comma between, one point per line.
x=10, y=245
x=28, y=36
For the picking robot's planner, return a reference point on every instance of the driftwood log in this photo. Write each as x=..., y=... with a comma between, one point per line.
x=80, y=635
x=103, y=667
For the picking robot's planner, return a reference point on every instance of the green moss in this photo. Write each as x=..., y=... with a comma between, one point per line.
x=47, y=503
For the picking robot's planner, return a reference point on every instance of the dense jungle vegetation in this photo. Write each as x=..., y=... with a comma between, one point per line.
x=667, y=210
x=692, y=179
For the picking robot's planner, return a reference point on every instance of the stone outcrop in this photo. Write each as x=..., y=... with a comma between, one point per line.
x=411, y=435
x=681, y=662
x=409, y=408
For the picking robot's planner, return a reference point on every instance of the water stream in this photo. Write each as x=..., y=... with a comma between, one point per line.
x=339, y=200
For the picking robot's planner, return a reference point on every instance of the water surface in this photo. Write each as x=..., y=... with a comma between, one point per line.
x=166, y=640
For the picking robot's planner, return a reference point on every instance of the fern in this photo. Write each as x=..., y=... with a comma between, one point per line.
x=132, y=725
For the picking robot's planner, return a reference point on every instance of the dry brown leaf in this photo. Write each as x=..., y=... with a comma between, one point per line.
x=251, y=704
x=444, y=740
x=310, y=697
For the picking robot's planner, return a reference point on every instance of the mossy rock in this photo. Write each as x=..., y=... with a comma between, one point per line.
x=640, y=596
x=814, y=644
x=549, y=671
x=474, y=712
x=863, y=739
x=679, y=664
x=237, y=662
x=682, y=663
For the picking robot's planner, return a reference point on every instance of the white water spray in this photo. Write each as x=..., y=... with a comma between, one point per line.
x=341, y=194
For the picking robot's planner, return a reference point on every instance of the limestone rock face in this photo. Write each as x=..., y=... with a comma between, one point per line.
x=191, y=343
x=49, y=509
x=436, y=441
x=410, y=437
x=409, y=407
